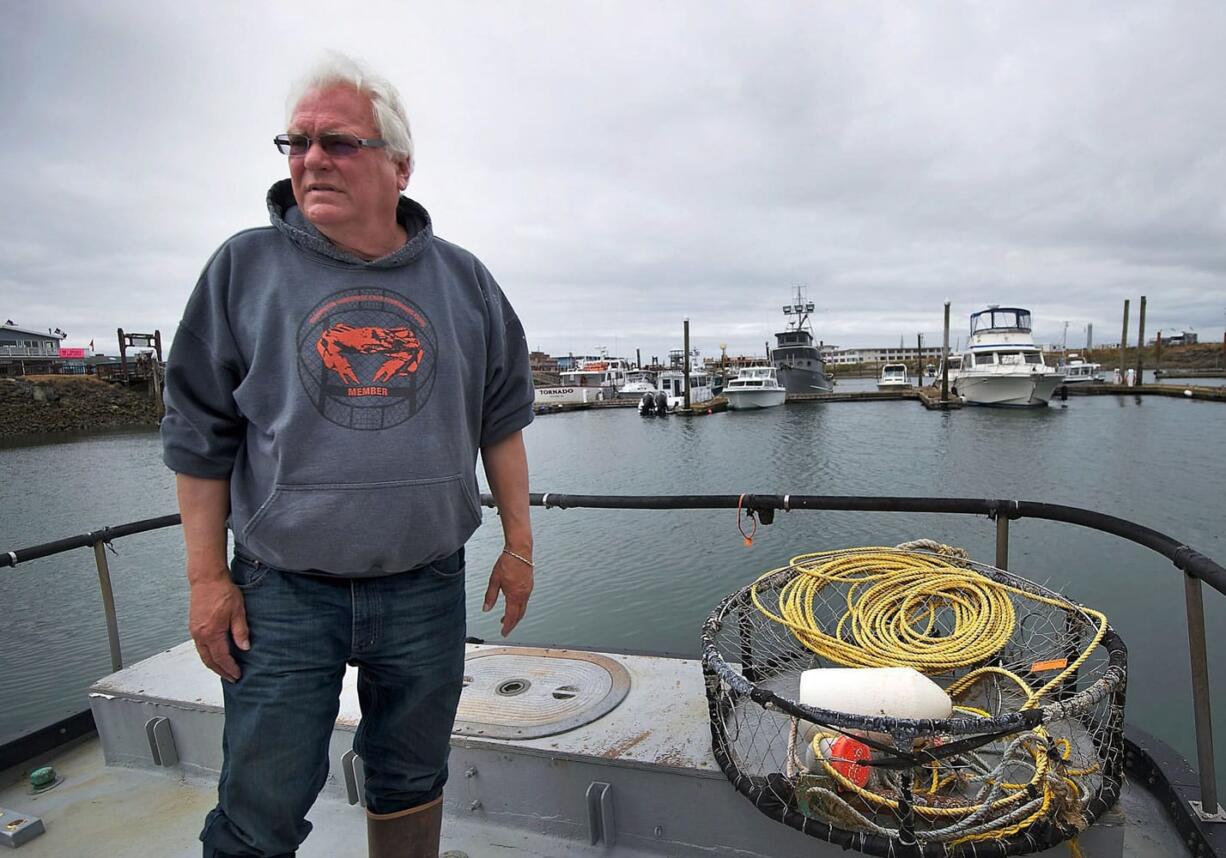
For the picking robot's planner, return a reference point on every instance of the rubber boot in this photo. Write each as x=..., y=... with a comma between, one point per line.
x=412, y=833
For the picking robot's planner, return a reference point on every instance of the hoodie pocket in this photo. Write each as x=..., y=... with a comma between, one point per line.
x=363, y=528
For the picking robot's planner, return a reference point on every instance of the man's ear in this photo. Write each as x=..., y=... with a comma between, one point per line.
x=402, y=173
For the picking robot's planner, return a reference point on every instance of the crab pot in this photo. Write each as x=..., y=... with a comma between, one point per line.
x=1031, y=754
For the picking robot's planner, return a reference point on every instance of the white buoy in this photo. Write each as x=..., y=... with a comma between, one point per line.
x=895, y=692
x=1187, y=393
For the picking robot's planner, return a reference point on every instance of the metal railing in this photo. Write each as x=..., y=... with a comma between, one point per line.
x=1197, y=569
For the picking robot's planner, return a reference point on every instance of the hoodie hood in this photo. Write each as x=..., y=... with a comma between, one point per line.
x=289, y=220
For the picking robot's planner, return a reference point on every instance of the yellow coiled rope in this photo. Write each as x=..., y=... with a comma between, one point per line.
x=892, y=604
x=893, y=600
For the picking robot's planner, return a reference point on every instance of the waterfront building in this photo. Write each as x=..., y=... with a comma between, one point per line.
x=542, y=362
x=890, y=354
x=27, y=352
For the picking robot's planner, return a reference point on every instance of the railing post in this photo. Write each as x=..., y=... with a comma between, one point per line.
x=108, y=604
x=1208, y=809
x=1002, y=540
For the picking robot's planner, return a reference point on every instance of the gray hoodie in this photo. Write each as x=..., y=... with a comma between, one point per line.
x=344, y=400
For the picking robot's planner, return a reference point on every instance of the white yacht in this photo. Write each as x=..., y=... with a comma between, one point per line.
x=755, y=387
x=1001, y=364
x=637, y=383
x=1078, y=371
x=894, y=377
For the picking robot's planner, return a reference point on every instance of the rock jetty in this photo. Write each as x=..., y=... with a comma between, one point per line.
x=38, y=405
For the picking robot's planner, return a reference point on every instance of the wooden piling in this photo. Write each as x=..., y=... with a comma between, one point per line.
x=1141, y=342
x=685, y=367
x=945, y=359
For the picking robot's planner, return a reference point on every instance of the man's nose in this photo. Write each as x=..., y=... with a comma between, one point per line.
x=316, y=158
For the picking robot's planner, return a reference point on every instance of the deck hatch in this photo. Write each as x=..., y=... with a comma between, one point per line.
x=529, y=692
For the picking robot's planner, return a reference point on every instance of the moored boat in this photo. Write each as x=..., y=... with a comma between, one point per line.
x=636, y=383
x=754, y=387
x=1078, y=371
x=1001, y=365
x=672, y=385
x=894, y=377
x=796, y=358
x=605, y=374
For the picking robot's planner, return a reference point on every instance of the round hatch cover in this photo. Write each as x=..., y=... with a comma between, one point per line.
x=528, y=692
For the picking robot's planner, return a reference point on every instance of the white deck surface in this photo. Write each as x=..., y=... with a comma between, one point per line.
x=675, y=736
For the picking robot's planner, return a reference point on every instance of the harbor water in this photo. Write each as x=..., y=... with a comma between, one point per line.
x=647, y=580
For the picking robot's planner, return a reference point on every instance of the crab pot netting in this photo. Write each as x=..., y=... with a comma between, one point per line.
x=1031, y=755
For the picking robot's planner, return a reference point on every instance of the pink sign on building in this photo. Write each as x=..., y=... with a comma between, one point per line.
x=72, y=353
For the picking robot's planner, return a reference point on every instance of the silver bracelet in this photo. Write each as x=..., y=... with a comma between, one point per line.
x=530, y=564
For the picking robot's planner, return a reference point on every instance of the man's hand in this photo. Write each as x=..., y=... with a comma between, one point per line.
x=514, y=579
x=217, y=614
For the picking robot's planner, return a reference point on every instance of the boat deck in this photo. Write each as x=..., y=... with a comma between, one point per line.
x=650, y=755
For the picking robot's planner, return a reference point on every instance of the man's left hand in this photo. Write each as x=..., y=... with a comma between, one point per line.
x=513, y=578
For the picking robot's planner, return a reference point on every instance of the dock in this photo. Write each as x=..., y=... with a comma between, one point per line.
x=1190, y=373
x=929, y=397
x=1182, y=391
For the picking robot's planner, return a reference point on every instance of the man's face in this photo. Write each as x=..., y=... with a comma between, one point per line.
x=355, y=193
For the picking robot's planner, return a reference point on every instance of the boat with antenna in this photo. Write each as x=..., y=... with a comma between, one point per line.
x=796, y=358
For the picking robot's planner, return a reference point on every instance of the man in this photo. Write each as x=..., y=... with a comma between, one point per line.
x=331, y=383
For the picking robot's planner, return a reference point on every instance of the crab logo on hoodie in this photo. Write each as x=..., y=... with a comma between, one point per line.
x=367, y=358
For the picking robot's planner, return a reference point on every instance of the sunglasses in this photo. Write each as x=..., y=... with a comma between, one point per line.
x=334, y=145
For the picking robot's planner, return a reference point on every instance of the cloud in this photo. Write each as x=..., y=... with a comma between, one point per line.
x=622, y=166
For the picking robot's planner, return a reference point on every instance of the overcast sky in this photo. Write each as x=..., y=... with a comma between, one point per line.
x=620, y=166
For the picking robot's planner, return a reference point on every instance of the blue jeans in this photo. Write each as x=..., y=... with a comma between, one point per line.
x=404, y=632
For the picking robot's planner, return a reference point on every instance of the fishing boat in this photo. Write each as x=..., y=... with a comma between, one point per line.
x=754, y=387
x=597, y=378
x=795, y=356
x=894, y=377
x=569, y=751
x=1001, y=365
x=606, y=374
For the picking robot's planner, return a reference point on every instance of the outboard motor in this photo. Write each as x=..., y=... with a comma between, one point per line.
x=661, y=403
x=647, y=405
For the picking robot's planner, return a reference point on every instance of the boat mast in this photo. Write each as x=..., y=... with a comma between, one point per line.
x=801, y=309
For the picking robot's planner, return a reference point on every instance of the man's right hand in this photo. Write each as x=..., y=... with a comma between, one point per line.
x=216, y=614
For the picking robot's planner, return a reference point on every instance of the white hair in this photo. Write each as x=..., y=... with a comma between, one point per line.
x=337, y=69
